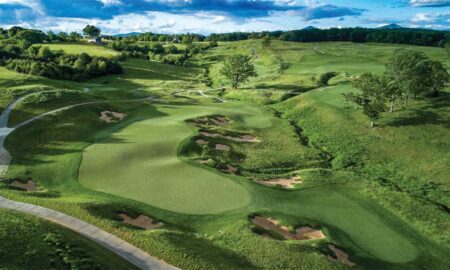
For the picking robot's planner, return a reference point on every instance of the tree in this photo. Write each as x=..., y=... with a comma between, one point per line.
x=74, y=36
x=91, y=31
x=238, y=69
x=410, y=73
x=404, y=73
x=32, y=36
x=266, y=41
x=371, y=96
x=44, y=53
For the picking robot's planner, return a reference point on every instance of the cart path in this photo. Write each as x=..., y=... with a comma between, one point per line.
x=120, y=247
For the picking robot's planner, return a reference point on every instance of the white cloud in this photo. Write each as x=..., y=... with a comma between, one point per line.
x=431, y=18
x=108, y=3
x=34, y=5
x=429, y=3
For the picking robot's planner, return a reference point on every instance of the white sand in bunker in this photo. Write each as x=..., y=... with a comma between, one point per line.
x=243, y=138
x=30, y=186
x=222, y=147
x=340, y=256
x=230, y=169
x=216, y=120
x=220, y=120
x=301, y=233
x=284, y=182
x=141, y=221
x=111, y=117
x=201, y=142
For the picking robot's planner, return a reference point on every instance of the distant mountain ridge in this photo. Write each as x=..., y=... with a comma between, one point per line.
x=310, y=28
x=127, y=34
x=391, y=26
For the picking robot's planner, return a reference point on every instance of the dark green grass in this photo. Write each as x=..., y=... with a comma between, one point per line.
x=23, y=246
x=371, y=235
x=379, y=224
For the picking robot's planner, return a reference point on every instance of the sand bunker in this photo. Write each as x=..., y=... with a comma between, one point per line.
x=111, y=117
x=340, y=256
x=230, y=169
x=30, y=186
x=222, y=147
x=302, y=233
x=201, y=142
x=141, y=221
x=220, y=121
x=243, y=138
x=284, y=182
x=216, y=120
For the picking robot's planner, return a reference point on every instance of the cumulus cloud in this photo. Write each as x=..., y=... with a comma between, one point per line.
x=329, y=11
x=435, y=18
x=429, y=3
x=111, y=2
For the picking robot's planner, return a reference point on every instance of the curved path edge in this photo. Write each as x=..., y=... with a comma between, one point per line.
x=120, y=247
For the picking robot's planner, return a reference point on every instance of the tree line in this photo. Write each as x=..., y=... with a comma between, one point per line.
x=170, y=54
x=18, y=52
x=357, y=34
x=408, y=74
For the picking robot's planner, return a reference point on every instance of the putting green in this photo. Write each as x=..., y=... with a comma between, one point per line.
x=140, y=162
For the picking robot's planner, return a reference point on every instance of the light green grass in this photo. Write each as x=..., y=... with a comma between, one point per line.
x=92, y=50
x=140, y=162
x=133, y=165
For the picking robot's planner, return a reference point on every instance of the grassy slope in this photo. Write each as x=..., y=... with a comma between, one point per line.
x=77, y=48
x=22, y=245
x=52, y=159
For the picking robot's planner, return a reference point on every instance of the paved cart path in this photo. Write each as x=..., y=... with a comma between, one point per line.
x=120, y=247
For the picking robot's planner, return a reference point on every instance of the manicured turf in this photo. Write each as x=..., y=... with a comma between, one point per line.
x=145, y=154
x=139, y=162
x=365, y=188
x=70, y=48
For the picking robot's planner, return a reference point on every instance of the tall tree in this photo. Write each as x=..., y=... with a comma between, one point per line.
x=91, y=31
x=371, y=96
x=435, y=76
x=238, y=69
x=404, y=73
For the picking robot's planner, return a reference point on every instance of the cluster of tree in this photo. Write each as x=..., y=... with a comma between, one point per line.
x=170, y=54
x=409, y=74
x=18, y=52
x=41, y=61
x=238, y=69
x=26, y=37
x=175, y=38
x=358, y=34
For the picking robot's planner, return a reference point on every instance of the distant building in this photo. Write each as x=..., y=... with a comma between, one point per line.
x=96, y=40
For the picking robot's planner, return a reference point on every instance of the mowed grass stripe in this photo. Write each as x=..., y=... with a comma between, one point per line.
x=140, y=162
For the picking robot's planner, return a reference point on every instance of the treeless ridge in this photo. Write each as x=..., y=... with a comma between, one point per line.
x=141, y=221
x=302, y=233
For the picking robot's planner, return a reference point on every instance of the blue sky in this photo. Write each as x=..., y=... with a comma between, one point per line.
x=206, y=16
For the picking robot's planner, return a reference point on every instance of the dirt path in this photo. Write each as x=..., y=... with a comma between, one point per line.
x=120, y=247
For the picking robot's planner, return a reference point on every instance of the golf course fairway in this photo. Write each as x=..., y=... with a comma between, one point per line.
x=140, y=162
